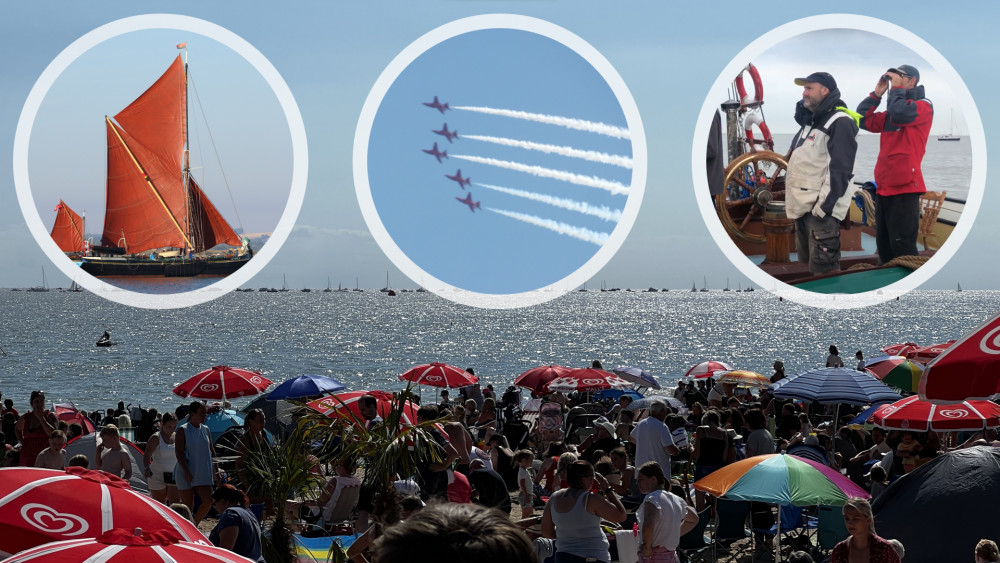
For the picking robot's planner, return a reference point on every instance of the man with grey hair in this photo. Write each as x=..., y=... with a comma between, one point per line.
x=652, y=438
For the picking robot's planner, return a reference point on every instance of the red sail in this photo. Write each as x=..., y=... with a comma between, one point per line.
x=67, y=231
x=156, y=118
x=214, y=229
x=141, y=216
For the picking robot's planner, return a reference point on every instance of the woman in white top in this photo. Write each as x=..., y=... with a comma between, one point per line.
x=573, y=515
x=662, y=517
x=159, y=461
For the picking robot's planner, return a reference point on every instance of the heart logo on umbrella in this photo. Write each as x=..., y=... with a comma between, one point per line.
x=592, y=381
x=209, y=387
x=255, y=380
x=48, y=520
x=990, y=344
x=433, y=378
x=954, y=413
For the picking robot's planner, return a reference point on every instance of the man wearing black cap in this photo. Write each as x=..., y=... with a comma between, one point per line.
x=820, y=166
x=904, y=127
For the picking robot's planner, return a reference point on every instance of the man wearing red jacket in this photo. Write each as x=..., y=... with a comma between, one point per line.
x=904, y=127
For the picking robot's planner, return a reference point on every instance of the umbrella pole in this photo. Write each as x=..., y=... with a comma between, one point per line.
x=777, y=538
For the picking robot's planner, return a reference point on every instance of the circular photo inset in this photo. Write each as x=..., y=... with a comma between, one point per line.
x=160, y=161
x=839, y=161
x=499, y=161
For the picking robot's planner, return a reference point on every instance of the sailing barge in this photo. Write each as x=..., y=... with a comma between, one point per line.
x=158, y=221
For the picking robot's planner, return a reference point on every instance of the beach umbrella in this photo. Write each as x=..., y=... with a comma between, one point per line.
x=586, y=379
x=928, y=353
x=744, y=378
x=707, y=369
x=121, y=545
x=345, y=405
x=222, y=382
x=910, y=413
x=68, y=412
x=647, y=401
x=42, y=505
x=219, y=420
x=835, y=385
x=87, y=445
x=896, y=371
x=439, y=375
x=536, y=378
x=780, y=479
x=970, y=369
x=305, y=386
x=901, y=349
x=637, y=376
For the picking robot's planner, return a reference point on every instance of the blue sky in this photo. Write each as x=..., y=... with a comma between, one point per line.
x=484, y=251
x=331, y=54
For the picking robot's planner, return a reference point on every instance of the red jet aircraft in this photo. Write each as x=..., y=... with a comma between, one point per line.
x=437, y=105
x=437, y=154
x=450, y=135
x=462, y=182
x=473, y=205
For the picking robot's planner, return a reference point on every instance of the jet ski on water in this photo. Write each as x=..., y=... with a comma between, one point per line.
x=105, y=340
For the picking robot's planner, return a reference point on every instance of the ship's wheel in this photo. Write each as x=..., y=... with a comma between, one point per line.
x=753, y=180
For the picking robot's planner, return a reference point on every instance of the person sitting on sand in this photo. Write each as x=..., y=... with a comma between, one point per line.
x=53, y=457
x=111, y=456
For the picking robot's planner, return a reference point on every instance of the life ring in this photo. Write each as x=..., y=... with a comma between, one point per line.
x=758, y=86
x=755, y=118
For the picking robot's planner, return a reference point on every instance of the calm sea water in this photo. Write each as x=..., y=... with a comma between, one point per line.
x=367, y=339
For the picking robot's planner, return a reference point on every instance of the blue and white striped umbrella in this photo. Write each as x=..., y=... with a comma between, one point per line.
x=835, y=385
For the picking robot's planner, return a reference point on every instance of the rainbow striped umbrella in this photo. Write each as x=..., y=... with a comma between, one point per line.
x=744, y=378
x=780, y=479
x=896, y=371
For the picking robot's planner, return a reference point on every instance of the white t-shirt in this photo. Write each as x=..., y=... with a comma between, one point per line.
x=524, y=481
x=651, y=437
x=667, y=527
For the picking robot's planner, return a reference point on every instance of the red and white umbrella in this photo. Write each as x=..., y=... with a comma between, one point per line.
x=536, y=378
x=42, y=505
x=587, y=379
x=928, y=353
x=222, y=382
x=969, y=369
x=344, y=405
x=439, y=375
x=910, y=413
x=128, y=546
x=707, y=369
x=901, y=349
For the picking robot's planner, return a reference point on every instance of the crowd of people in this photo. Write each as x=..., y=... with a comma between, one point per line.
x=499, y=463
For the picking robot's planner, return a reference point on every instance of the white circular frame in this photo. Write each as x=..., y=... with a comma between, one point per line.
x=432, y=39
x=977, y=138
x=300, y=159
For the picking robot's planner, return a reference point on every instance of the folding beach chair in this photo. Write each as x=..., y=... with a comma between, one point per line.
x=343, y=510
x=730, y=524
x=830, y=528
x=695, y=543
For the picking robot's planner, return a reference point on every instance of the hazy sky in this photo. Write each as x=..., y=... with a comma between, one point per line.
x=330, y=54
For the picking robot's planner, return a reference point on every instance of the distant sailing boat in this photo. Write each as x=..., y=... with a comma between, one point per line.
x=43, y=287
x=704, y=286
x=727, y=285
x=694, y=287
x=386, y=289
x=158, y=220
x=328, y=288
x=951, y=136
x=357, y=286
x=959, y=288
x=68, y=229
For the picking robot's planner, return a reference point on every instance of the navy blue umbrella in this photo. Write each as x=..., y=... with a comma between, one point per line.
x=305, y=386
x=835, y=385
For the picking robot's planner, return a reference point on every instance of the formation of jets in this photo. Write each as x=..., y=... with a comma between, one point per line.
x=450, y=135
x=439, y=154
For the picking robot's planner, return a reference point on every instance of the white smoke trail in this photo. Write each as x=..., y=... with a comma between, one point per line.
x=603, y=211
x=568, y=122
x=616, y=188
x=561, y=228
x=592, y=156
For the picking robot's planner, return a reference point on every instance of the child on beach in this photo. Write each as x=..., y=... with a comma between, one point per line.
x=53, y=457
x=879, y=481
x=111, y=456
x=525, y=496
x=907, y=451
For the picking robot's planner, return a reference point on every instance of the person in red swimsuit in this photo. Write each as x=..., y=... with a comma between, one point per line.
x=33, y=429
